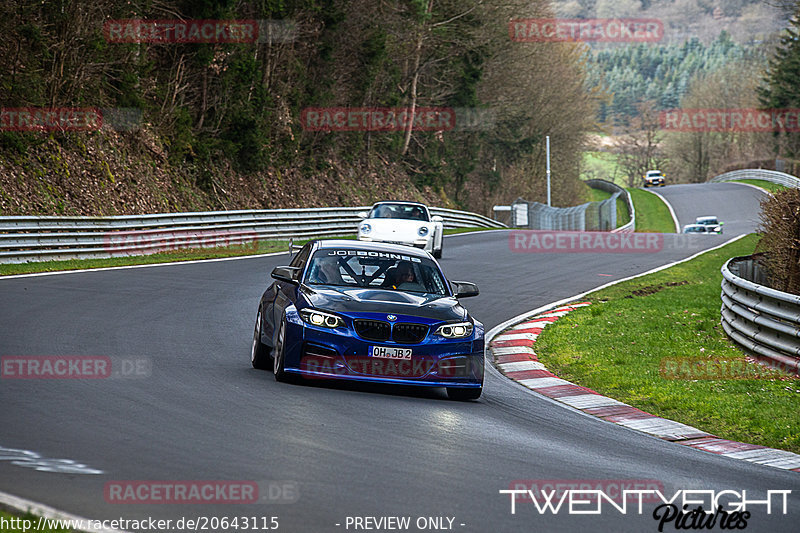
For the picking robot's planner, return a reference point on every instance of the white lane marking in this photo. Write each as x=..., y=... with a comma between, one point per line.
x=29, y=459
x=587, y=401
x=661, y=427
x=768, y=456
x=671, y=211
x=539, y=383
x=517, y=336
x=533, y=324
x=765, y=191
x=511, y=350
x=519, y=366
x=174, y=263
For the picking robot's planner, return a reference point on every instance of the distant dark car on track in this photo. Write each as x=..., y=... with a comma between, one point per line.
x=369, y=312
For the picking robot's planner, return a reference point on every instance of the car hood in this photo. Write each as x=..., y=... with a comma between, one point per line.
x=347, y=300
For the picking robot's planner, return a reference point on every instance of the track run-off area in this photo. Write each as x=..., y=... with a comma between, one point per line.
x=323, y=454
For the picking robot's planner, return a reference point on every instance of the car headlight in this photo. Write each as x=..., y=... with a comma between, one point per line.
x=365, y=228
x=321, y=318
x=423, y=230
x=455, y=331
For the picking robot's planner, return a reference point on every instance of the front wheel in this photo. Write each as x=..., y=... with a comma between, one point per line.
x=259, y=353
x=278, y=354
x=462, y=394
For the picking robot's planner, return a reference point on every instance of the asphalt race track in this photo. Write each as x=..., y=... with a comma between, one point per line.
x=201, y=412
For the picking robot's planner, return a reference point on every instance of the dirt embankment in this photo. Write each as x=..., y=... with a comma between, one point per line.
x=108, y=173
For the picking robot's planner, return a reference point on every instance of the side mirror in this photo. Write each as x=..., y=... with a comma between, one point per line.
x=721, y=223
x=464, y=289
x=362, y=214
x=437, y=218
x=287, y=274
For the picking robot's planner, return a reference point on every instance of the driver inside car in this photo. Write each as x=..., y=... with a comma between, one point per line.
x=402, y=273
x=327, y=271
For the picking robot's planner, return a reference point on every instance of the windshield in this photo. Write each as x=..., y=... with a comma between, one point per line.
x=407, y=211
x=380, y=270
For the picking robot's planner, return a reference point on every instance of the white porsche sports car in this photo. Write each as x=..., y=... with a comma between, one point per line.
x=408, y=223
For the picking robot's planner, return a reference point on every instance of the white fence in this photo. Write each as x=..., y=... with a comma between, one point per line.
x=781, y=178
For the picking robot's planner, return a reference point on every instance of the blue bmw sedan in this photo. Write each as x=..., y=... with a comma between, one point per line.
x=370, y=312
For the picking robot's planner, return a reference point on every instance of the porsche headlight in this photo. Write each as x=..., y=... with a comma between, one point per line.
x=455, y=331
x=321, y=318
x=423, y=230
x=366, y=228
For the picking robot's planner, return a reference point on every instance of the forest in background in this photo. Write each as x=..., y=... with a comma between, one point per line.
x=218, y=126
x=220, y=123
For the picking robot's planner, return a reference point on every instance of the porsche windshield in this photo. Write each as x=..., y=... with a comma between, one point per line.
x=407, y=211
x=380, y=270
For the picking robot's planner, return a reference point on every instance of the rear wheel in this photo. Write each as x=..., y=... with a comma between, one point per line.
x=461, y=394
x=259, y=353
x=278, y=359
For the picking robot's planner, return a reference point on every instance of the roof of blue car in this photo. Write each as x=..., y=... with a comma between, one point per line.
x=375, y=246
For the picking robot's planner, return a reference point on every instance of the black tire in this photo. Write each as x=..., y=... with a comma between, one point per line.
x=259, y=353
x=438, y=253
x=278, y=360
x=461, y=394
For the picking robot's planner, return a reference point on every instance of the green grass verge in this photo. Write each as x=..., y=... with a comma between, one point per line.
x=652, y=214
x=19, y=525
x=263, y=247
x=601, y=165
x=617, y=345
x=597, y=195
x=768, y=185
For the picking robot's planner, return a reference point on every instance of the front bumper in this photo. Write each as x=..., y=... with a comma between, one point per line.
x=324, y=353
x=423, y=243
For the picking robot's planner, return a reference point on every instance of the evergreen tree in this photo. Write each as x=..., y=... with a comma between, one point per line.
x=781, y=84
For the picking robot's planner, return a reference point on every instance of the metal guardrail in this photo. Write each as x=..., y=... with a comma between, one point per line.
x=613, y=188
x=31, y=238
x=591, y=216
x=763, y=320
x=781, y=178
